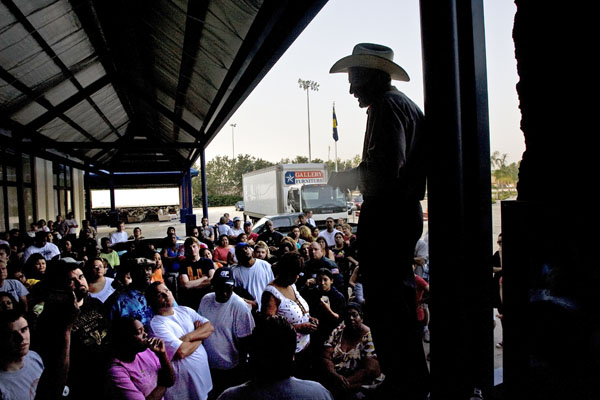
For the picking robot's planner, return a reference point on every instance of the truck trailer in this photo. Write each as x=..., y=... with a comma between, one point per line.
x=292, y=188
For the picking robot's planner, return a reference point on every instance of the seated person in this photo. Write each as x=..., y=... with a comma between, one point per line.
x=172, y=254
x=350, y=364
x=195, y=276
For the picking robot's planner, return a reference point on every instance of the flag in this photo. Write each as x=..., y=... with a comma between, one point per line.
x=335, y=132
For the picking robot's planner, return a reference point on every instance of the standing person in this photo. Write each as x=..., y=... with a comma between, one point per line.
x=237, y=228
x=272, y=365
x=131, y=302
x=391, y=170
x=100, y=286
x=110, y=255
x=90, y=352
x=60, y=226
x=208, y=231
x=41, y=246
x=270, y=236
x=141, y=368
x=183, y=330
x=12, y=286
x=251, y=273
x=252, y=237
x=232, y=319
x=193, y=287
x=329, y=232
x=309, y=218
x=120, y=235
x=72, y=226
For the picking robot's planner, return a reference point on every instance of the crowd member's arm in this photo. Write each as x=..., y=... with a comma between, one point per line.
x=270, y=305
x=185, y=282
x=368, y=371
x=327, y=360
x=166, y=374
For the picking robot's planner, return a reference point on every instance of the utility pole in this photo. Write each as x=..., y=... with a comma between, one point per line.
x=308, y=85
x=232, y=141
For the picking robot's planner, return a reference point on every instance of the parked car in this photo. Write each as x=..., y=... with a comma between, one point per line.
x=239, y=206
x=284, y=223
x=358, y=200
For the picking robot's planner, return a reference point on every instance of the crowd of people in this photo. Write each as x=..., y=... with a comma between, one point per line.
x=181, y=318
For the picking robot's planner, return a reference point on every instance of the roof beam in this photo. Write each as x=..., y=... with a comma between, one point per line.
x=16, y=11
x=196, y=14
x=69, y=103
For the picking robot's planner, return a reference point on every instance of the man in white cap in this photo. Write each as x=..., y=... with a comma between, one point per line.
x=391, y=172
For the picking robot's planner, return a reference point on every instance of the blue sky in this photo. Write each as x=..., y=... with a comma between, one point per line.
x=272, y=122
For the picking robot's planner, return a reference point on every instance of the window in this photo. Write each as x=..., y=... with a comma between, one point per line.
x=63, y=189
x=17, y=193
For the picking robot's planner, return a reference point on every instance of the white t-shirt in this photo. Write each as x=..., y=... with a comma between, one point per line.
x=255, y=278
x=22, y=384
x=224, y=229
x=72, y=224
x=49, y=251
x=232, y=321
x=118, y=237
x=106, y=291
x=15, y=288
x=329, y=237
x=237, y=232
x=286, y=389
x=192, y=373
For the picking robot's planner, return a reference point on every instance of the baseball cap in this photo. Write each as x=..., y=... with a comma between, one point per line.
x=248, y=223
x=241, y=245
x=236, y=219
x=223, y=276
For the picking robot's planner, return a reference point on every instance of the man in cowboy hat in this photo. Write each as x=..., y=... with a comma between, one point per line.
x=391, y=171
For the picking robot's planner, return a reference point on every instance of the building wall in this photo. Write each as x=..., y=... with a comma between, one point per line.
x=44, y=189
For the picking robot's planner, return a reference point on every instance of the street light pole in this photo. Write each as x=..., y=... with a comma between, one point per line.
x=308, y=85
x=232, y=142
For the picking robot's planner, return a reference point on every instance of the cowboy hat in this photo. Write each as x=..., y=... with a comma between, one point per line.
x=373, y=56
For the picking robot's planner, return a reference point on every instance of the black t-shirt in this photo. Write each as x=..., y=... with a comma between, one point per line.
x=200, y=268
x=272, y=239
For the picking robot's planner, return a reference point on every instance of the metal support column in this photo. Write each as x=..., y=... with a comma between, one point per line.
x=459, y=194
x=204, y=190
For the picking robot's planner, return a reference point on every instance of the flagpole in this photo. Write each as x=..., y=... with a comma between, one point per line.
x=336, y=160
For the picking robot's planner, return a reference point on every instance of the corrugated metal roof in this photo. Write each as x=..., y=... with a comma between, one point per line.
x=134, y=85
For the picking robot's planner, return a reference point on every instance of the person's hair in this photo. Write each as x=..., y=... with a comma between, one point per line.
x=30, y=269
x=6, y=248
x=353, y=306
x=58, y=277
x=289, y=265
x=321, y=238
x=239, y=237
x=326, y=272
x=330, y=218
x=262, y=245
x=8, y=317
x=222, y=220
x=273, y=349
x=203, y=251
x=305, y=232
x=88, y=267
x=104, y=240
x=12, y=298
x=220, y=240
x=120, y=330
x=339, y=233
x=285, y=244
x=190, y=241
x=150, y=294
x=344, y=226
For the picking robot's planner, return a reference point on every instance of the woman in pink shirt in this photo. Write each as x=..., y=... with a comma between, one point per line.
x=141, y=369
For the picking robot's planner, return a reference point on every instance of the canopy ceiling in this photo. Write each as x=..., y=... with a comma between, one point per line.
x=121, y=86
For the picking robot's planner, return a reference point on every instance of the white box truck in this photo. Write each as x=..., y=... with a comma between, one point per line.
x=292, y=188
